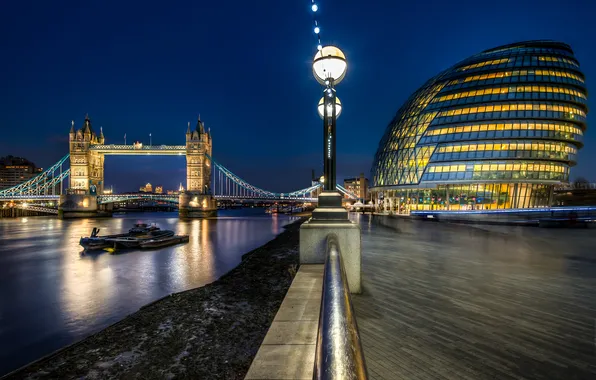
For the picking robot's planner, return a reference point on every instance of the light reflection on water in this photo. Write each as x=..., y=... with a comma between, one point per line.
x=52, y=295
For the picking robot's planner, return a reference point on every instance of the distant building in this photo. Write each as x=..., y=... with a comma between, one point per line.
x=176, y=192
x=148, y=188
x=158, y=189
x=357, y=186
x=14, y=170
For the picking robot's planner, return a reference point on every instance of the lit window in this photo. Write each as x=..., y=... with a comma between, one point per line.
x=485, y=63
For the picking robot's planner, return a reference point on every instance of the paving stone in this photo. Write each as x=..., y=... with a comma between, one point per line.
x=283, y=362
x=292, y=332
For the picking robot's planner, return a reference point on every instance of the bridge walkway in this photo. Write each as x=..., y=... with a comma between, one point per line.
x=445, y=301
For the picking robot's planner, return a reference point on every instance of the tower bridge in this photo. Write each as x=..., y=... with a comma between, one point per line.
x=87, y=157
x=206, y=180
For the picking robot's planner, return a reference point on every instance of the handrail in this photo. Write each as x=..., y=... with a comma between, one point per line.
x=339, y=352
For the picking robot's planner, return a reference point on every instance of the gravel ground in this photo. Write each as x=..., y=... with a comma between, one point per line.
x=212, y=332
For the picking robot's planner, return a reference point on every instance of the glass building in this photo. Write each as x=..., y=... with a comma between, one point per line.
x=497, y=130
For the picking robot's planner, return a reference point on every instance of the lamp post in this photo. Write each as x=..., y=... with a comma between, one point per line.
x=329, y=114
x=329, y=68
x=330, y=220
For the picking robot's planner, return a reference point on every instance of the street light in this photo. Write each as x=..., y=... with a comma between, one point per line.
x=329, y=106
x=329, y=63
x=329, y=68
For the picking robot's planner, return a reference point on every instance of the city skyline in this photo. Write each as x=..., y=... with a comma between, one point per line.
x=154, y=70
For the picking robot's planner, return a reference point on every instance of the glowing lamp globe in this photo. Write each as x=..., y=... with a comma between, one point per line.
x=329, y=63
x=321, y=107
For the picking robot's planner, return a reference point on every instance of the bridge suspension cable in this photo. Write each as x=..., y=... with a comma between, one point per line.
x=228, y=185
x=345, y=192
x=42, y=183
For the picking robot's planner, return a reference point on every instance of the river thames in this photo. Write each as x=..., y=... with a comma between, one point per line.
x=51, y=294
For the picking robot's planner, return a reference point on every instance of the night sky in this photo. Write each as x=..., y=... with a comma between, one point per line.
x=244, y=66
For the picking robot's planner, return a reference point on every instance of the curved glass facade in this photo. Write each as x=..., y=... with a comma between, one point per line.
x=497, y=130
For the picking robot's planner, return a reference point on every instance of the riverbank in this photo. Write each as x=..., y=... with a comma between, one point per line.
x=212, y=332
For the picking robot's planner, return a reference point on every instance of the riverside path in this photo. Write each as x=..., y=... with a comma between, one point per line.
x=444, y=301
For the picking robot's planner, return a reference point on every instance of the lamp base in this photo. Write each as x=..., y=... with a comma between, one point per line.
x=329, y=209
x=331, y=218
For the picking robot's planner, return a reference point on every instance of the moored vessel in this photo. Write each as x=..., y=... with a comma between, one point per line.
x=164, y=241
x=128, y=242
x=139, y=232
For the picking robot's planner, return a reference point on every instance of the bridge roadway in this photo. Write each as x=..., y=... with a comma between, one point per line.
x=103, y=199
x=444, y=301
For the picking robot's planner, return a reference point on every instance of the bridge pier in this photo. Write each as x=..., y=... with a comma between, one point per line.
x=104, y=210
x=77, y=206
x=196, y=205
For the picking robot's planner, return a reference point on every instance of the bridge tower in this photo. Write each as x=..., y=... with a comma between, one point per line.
x=86, y=165
x=197, y=201
x=86, y=173
x=198, y=169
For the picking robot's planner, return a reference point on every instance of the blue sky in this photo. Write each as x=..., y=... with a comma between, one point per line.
x=150, y=67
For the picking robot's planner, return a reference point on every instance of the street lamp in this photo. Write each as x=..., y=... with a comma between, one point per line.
x=329, y=64
x=329, y=111
x=329, y=219
x=329, y=68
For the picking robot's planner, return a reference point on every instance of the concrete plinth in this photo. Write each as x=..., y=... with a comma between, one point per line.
x=313, y=247
x=195, y=205
x=77, y=206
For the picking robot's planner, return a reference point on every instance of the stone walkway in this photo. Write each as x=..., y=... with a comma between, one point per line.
x=445, y=301
x=288, y=350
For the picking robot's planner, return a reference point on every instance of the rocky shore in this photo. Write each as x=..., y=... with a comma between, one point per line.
x=212, y=332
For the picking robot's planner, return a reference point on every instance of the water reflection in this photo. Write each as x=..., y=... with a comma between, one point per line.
x=52, y=295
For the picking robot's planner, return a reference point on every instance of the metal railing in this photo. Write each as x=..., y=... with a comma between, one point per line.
x=339, y=352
